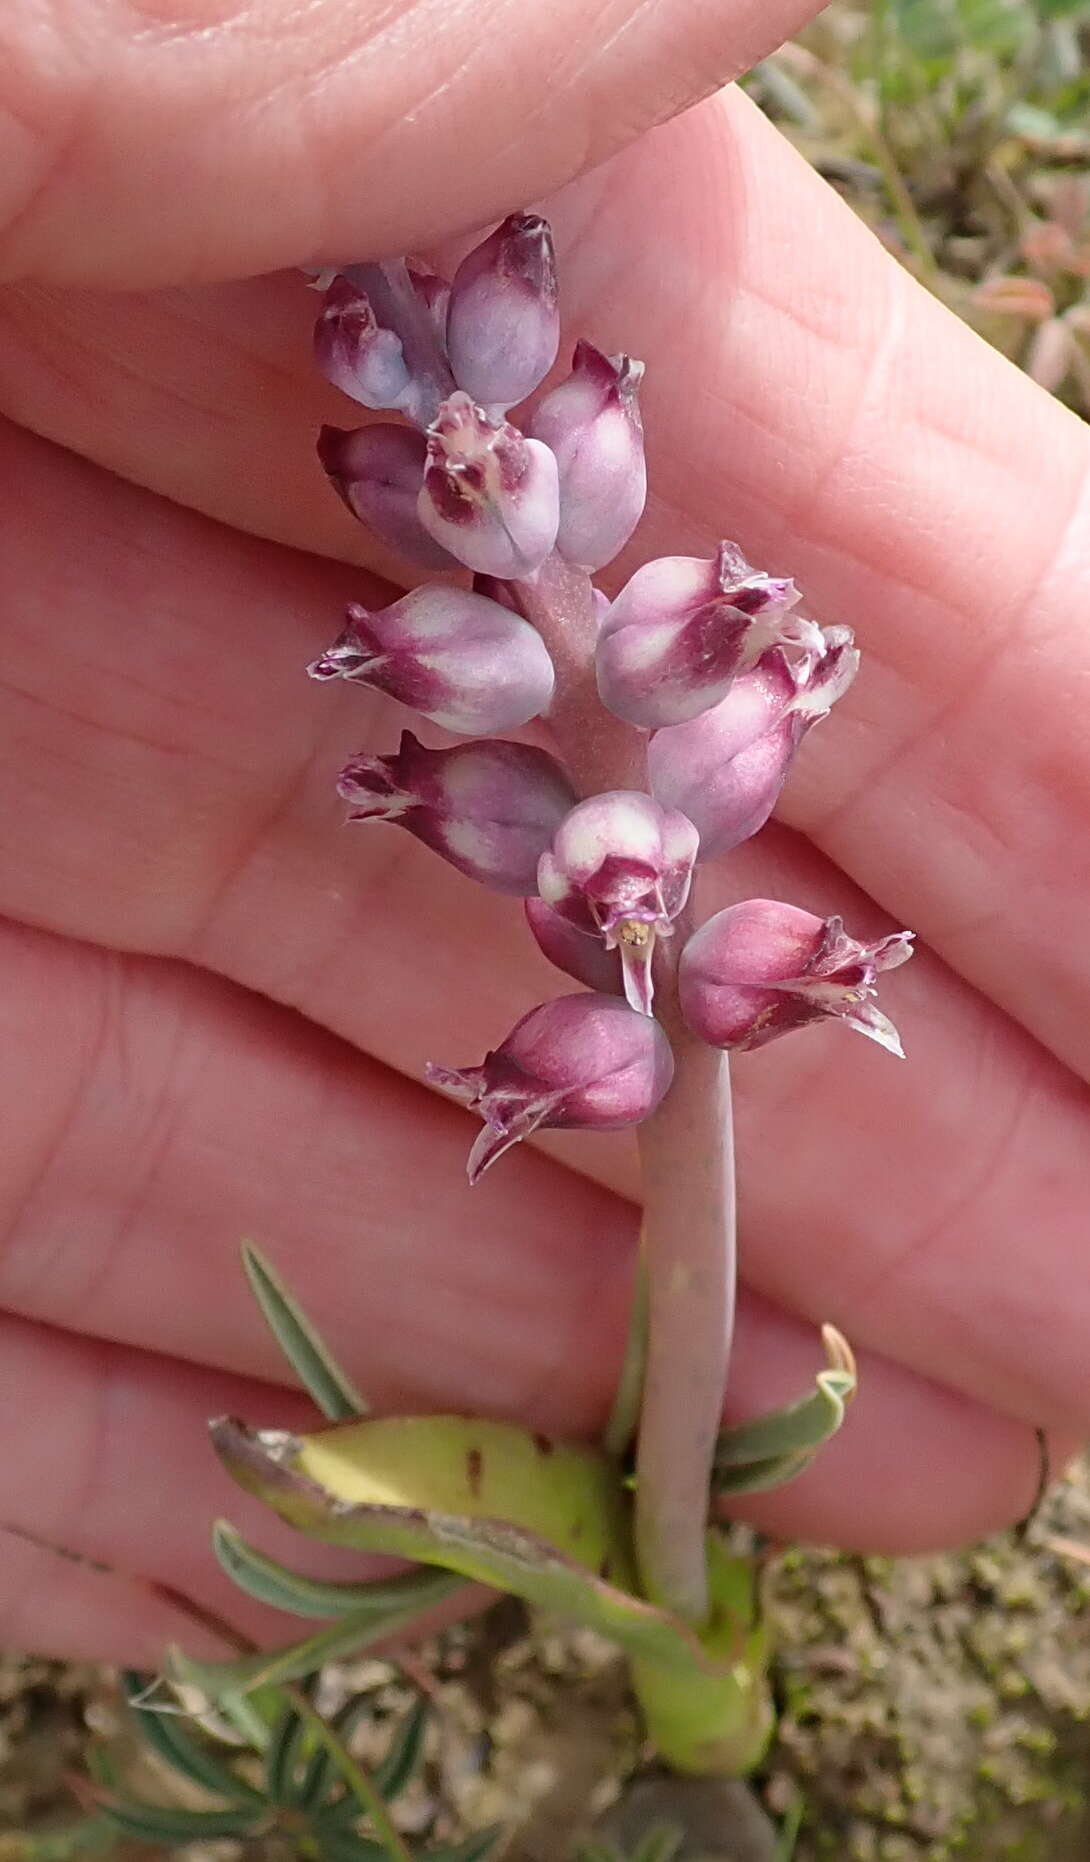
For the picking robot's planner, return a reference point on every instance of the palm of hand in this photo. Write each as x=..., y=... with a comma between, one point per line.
x=221, y=1002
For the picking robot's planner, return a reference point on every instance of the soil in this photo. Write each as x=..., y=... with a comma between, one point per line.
x=930, y=1709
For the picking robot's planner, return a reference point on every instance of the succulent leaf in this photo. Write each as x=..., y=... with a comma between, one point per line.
x=774, y=1448
x=546, y=1519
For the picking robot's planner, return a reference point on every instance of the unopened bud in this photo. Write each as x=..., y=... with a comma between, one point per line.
x=592, y=423
x=356, y=354
x=684, y=627
x=760, y=969
x=726, y=768
x=583, y=1062
x=490, y=495
x=619, y=870
x=460, y=660
x=503, y=327
x=490, y=809
x=378, y=472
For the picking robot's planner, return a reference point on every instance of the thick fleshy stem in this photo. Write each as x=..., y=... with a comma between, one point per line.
x=600, y=752
x=687, y=1157
x=687, y=1152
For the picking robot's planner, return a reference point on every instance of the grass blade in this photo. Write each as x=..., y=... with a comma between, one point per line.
x=270, y=1582
x=311, y=1360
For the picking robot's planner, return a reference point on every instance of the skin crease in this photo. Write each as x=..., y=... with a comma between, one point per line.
x=221, y=1001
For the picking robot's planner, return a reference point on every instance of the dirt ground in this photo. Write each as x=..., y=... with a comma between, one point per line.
x=929, y=1709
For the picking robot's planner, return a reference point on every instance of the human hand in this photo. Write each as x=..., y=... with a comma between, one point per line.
x=217, y=1003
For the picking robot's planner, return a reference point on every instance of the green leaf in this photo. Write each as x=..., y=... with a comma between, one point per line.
x=157, y=1824
x=775, y=1448
x=168, y=1735
x=399, y=1765
x=320, y=1773
x=281, y=1758
x=311, y=1360
x=217, y=1680
x=543, y=1520
x=262, y=1577
x=406, y=1750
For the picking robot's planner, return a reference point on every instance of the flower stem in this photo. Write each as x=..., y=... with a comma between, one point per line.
x=687, y=1152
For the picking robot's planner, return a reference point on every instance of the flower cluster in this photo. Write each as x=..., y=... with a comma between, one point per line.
x=707, y=661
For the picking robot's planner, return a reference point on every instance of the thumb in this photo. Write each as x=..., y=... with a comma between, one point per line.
x=149, y=142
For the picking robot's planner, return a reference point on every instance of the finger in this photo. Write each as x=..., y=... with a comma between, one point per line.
x=168, y=1114
x=59, y=1606
x=110, y=1462
x=230, y=143
x=847, y=429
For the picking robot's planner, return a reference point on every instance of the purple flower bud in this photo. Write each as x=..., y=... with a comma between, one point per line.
x=575, y=952
x=583, y=1062
x=408, y=310
x=457, y=658
x=619, y=870
x=434, y=294
x=725, y=769
x=490, y=495
x=759, y=969
x=681, y=630
x=356, y=354
x=378, y=471
x=491, y=809
x=503, y=328
x=592, y=423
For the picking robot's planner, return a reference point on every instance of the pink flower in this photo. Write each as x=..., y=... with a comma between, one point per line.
x=759, y=969
x=489, y=808
x=462, y=661
x=592, y=424
x=619, y=871
x=725, y=769
x=503, y=325
x=489, y=495
x=682, y=629
x=378, y=471
x=584, y=1062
